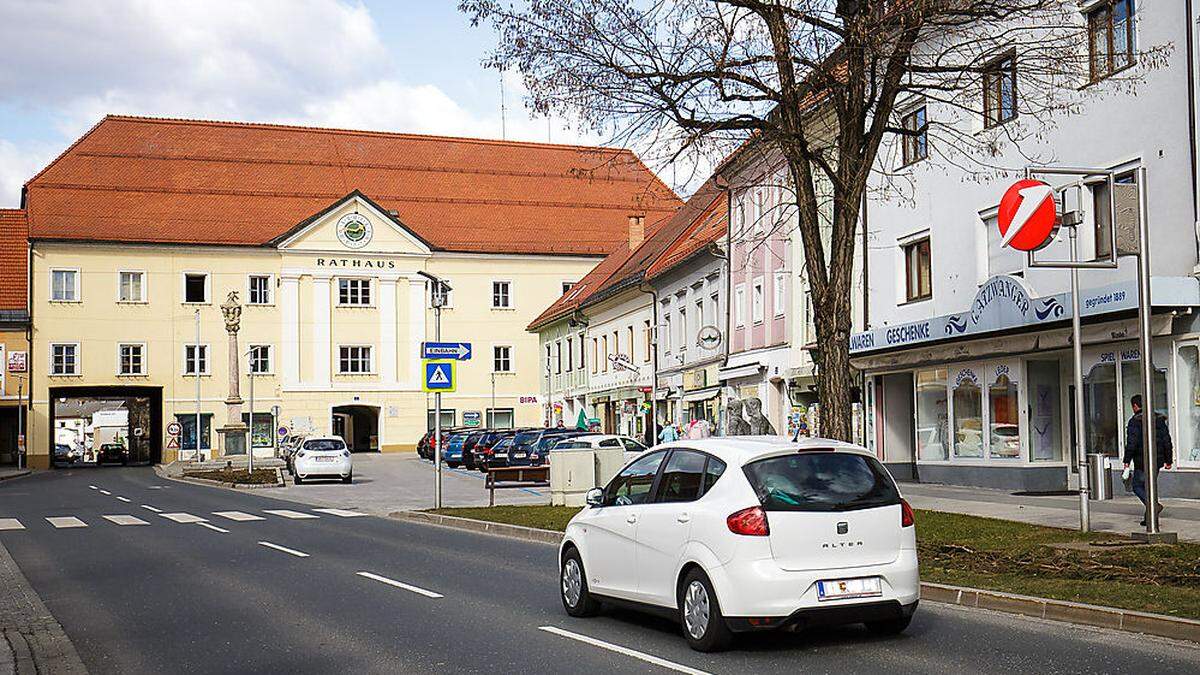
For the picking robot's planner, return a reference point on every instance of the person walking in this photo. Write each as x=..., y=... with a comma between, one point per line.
x=1133, y=449
x=669, y=433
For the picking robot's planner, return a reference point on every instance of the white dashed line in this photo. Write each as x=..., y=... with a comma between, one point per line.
x=662, y=663
x=105, y=492
x=93, y=487
x=182, y=517
x=64, y=522
x=125, y=520
x=10, y=524
x=151, y=508
x=340, y=512
x=214, y=528
x=400, y=584
x=124, y=499
x=237, y=516
x=294, y=515
x=289, y=551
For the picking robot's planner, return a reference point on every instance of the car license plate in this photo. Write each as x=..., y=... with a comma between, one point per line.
x=841, y=589
x=519, y=455
x=326, y=459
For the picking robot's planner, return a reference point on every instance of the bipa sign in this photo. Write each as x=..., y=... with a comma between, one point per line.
x=1028, y=217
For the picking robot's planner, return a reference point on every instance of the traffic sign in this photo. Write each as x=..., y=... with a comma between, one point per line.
x=173, y=443
x=173, y=429
x=1027, y=217
x=439, y=375
x=472, y=418
x=282, y=431
x=459, y=351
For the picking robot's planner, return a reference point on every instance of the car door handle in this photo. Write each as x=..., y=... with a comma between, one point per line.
x=631, y=519
x=684, y=518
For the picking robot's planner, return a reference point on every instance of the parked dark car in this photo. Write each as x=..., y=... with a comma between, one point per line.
x=63, y=454
x=497, y=455
x=541, y=450
x=470, y=445
x=531, y=447
x=452, y=451
x=425, y=445
x=113, y=452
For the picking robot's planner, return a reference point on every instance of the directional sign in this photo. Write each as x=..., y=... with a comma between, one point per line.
x=459, y=351
x=1027, y=216
x=173, y=429
x=439, y=375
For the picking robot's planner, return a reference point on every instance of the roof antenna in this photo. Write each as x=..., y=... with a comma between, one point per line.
x=503, y=130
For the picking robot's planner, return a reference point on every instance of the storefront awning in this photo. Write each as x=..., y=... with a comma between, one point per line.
x=703, y=395
x=737, y=372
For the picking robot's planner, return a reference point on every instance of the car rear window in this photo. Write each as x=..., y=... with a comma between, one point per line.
x=526, y=438
x=324, y=445
x=821, y=481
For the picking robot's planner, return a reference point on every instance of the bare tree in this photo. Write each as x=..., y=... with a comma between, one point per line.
x=821, y=83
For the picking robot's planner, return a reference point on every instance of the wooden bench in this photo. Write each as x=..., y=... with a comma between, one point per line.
x=501, y=477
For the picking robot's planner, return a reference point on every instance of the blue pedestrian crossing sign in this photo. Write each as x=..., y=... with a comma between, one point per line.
x=439, y=375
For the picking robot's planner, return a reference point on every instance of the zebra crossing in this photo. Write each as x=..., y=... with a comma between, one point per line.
x=68, y=522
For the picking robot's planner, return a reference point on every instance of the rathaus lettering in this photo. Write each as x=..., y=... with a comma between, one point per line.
x=357, y=262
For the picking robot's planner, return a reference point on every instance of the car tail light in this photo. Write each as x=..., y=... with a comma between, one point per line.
x=751, y=522
x=906, y=514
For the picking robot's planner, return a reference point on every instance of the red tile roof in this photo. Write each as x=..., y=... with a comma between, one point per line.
x=182, y=181
x=707, y=228
x=14, y=260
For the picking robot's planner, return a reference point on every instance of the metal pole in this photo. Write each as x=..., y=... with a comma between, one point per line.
x=196, y=457
x=250, y=427
x=1085, y=518
x=1149, y=451
x=21, y=449
x=437, y=406
x=491, y=422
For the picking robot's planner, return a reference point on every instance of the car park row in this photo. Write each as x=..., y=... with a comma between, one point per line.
x=483, y=449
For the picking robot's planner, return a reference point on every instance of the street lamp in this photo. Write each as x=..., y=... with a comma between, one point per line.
x=250, y=427
x=438, y=297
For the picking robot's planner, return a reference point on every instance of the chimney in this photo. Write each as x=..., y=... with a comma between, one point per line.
x=637, y=231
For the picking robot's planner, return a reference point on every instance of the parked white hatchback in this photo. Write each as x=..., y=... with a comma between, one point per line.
x=750, y=533
x=322, y=456
x=630, y=447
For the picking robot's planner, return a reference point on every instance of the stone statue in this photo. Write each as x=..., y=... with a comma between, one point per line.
x=232, y=311
x=758, y=423
x=735, y=425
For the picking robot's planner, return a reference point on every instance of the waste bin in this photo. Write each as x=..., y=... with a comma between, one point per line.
x=1099, y=476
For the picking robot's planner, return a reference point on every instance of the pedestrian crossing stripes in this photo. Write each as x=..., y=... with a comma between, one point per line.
x=124, y=499
x=125, y=519
x=340, y=512
x=237, y=516
x=10, y=524
x=182, y=517
x=65, y=522
x=294, y=515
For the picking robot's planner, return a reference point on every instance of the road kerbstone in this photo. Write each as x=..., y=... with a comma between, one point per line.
x=34, y=640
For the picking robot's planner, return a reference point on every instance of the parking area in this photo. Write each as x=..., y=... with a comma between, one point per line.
x=384, y=483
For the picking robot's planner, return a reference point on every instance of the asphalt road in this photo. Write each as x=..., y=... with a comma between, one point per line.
x=366, y=594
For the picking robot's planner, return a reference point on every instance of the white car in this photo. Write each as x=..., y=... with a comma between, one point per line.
x=748, y=533
x=630, y=447
x=322, y=456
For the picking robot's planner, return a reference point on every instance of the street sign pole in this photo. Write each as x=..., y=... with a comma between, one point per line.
x=21, y=461
x=1085, y=515
x=437, y=401
x=1149, y=451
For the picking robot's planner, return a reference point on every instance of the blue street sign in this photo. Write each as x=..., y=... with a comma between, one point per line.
x=439, y=376
x=459, y=351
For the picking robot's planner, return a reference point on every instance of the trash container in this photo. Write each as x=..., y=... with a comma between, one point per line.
x=1099, y=476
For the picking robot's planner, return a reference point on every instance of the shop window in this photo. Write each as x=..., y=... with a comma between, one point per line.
x=1100, y=410
x=968, y=416
x=1131, y=383
x=187, y=434
x=262, y=434
x=1045, y=411
x=1187, y=427
x=1004, y=432
x=933, y=439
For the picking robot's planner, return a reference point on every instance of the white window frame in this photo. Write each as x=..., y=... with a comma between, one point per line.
x=141, y=287
x=78, y=360
x=207, y=359
x=370, y=353
x=207, y=287
x=270, y=360
x=779, y=295
x=567, y=285
x=512, y=358
x=758, y=300
x=370, y=294
x=270, y=289
x=512, y=304
x=120, y=362
x=739, y=305
x=75, y=291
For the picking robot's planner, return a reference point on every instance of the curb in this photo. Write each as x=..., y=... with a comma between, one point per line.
x=222, y=484
x=16, y=474
x=1129, y=621
x=28, y=632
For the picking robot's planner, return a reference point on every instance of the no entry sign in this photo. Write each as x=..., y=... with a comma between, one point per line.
x=1027, y=215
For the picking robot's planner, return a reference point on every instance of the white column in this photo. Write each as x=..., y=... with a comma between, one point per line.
x=289, y=343
x=387, y=331
x=416, y=327
x=321, y=347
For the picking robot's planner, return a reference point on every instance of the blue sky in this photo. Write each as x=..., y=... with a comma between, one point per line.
x=405, y=65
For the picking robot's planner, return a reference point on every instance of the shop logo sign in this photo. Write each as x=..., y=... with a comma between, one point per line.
x=354, y=230
x=966, y=375
x=998, y=289
x=1049, y=307
x=955, y=324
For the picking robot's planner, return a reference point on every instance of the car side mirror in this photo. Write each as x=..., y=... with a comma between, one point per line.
x=595, y=497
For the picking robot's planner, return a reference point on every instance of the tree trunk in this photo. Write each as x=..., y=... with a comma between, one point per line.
x=835, y=378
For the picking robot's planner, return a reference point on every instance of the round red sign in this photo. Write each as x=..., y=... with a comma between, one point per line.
x=1027, y=215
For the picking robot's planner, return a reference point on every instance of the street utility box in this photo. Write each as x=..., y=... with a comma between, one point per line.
x=572, y=474
x=608, y=462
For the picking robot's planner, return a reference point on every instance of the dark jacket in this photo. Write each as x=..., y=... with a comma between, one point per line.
x=1133, y=442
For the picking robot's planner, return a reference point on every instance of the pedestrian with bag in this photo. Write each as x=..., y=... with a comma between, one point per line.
x=1133, y=449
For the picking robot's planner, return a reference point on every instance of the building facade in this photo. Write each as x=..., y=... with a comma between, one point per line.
x=14, y=333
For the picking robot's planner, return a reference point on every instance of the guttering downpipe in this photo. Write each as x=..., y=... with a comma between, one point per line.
x=1190, y=25
x=644, y=287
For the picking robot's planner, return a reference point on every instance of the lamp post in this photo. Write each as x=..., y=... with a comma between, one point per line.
x=250, y=428
x=438, y=298
x=234, y=429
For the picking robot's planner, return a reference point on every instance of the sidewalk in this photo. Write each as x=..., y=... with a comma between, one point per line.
x=13, y=472
x=1121, y=515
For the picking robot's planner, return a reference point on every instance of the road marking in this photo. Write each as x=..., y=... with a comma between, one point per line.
x=182, y=517
x=93, y=487
x=105, y=492
x=294, y=515
x=340, y=512
x=214, y=528
x=62, y=522
x=401, y=584
x=237, y=516
x=151, y=508
x=10, y=524
x=277, y=547
x=663, y=663
x=125, y=520
x=124, y=499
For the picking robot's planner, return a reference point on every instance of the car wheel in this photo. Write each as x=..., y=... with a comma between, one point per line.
x=452, y=465
x=700, y=615
x=576, y=598
x=890, y=626
x=296, y=477
x=348, y=479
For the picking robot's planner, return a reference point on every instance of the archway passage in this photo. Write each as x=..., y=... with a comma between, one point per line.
x=105, y=425
x=358, y=425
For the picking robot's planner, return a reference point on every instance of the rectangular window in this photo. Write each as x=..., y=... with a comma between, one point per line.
x=595, y=354
x=681, y=335
x=918, y=272
x=549, y=364
x=968, y=419
x=1110, y=38
x=915, y=142
x=64, y=285
x=64, y=359
x=604, y=353
x=260, y=289
x=756, y=301
x=501, y=294
x=582, y=356
x=558, y=359
x=260, y=359
x=779, y=297
x=131, y=359
x=354, y=292
x=262, y=431
x=629, y=342
x=648, y=336
x=739, y=306
x=195, y=288
x=448, y=417
x=195, y=359
x=354, y=359
x=1000, y=91
x=933, y=424
x=567, y=286
x=570, y=355
x=187, y=434
x=502, y=359
x=500, y=418
x=131, y=286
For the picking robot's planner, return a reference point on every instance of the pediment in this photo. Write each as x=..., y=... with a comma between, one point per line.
x=354, y=224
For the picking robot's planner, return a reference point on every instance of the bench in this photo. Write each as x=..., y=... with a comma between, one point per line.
x=501, y=477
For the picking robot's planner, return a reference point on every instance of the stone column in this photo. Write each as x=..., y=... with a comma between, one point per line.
x=234, y=430
x=387, y=331
x=289, y=302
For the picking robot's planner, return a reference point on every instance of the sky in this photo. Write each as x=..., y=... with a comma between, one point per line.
x=399, y=65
